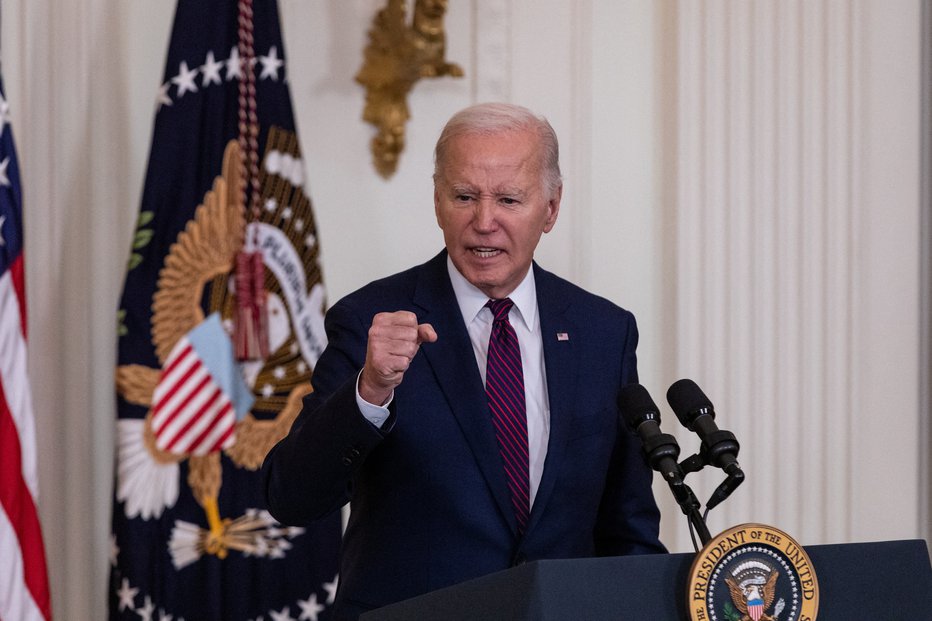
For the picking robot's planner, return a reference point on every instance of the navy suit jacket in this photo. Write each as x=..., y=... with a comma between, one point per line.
x=430, y=504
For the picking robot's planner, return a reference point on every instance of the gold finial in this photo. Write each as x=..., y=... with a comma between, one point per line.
x=397, y=56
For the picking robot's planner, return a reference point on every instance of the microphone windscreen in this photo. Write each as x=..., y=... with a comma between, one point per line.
x=636, y=405
x=686, y=398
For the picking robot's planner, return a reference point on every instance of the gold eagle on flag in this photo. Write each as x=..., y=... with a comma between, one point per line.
x=199, y=265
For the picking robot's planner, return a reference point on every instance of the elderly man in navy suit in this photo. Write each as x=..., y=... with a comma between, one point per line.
x=466, y=407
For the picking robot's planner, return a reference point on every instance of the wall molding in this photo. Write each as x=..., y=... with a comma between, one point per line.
x=491, y=80
x=925, y=280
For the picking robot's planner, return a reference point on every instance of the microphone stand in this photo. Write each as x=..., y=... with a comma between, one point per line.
x=689, y=504
x=719, y=450
x=664, y=449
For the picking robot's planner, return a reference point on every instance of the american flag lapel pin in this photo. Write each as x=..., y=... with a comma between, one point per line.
x=563, y=336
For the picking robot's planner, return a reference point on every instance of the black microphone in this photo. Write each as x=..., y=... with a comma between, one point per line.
x=719, y=447
x=643, y=417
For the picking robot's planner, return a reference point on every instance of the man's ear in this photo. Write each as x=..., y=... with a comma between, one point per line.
x=553, y=208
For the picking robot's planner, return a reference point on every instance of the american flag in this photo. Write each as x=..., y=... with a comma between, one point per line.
x=24, y=588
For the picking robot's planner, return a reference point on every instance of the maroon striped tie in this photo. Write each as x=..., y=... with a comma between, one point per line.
x=504, y=386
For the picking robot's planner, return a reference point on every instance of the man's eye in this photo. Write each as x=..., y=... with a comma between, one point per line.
x=507, y=200
x=462, y=198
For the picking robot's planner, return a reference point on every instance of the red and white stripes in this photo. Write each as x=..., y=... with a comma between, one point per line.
x=24, y=587
x=190, y=412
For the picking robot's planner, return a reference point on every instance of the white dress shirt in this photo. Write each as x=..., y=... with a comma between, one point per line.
x=478, y=320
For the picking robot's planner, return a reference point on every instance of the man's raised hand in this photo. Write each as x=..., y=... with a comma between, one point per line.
x=394, y=340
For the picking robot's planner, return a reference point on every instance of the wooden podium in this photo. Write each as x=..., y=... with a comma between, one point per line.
x=885, y=581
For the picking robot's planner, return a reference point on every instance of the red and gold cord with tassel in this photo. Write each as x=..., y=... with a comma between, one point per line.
x=250, y=332
x=252, y=327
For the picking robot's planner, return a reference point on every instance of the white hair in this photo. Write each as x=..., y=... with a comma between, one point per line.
x=487, y=119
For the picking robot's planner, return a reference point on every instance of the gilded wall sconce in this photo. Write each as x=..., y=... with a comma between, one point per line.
x=398, y=55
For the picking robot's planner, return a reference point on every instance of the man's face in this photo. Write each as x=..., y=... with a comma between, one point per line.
x=491, y=205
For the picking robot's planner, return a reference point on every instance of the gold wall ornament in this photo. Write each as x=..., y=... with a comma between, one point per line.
x=397, y=56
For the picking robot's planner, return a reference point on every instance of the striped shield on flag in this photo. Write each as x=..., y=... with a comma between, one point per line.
x=755, y=608
x=200, y=394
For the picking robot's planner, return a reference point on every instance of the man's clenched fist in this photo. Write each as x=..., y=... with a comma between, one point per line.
x=394, y=339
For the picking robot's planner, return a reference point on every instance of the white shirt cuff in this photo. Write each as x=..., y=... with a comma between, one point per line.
x=375, y=414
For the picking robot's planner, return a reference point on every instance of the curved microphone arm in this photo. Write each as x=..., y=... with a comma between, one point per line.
x=658, y=450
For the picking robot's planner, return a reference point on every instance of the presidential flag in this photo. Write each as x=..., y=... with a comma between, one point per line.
x=220, y=326
x=24, y=587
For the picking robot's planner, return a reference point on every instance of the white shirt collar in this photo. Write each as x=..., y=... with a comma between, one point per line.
x=471, y=300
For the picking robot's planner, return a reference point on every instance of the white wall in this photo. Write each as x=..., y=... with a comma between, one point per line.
x=614, y=79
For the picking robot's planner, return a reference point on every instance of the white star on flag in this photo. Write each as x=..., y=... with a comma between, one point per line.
x=284, y=615
x=162, y=98
x=185, y=79
x=310, y=608
x=234, y=65
x=4, y=180
x=126, y=594
x=211, y=70
x=270, y=65
x=4, y=113
x=114, y=550
x=331, y=588
x=145, y=613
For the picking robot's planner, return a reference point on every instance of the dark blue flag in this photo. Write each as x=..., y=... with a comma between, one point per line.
x=225, y=180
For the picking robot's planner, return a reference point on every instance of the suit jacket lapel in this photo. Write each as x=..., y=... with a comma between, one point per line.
x=561, y=360
x=452, y=359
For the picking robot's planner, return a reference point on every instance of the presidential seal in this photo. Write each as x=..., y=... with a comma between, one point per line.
x=752, y=572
